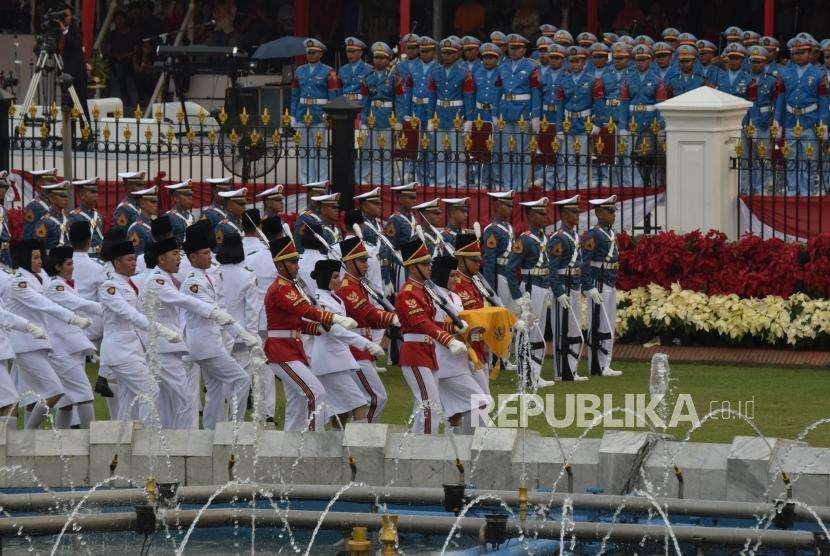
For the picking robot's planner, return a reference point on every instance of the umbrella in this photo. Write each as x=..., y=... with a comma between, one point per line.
x=285, y=47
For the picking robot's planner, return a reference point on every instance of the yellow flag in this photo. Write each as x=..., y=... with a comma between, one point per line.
x=497, y=323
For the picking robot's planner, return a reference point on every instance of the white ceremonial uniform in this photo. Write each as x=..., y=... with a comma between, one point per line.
x=36, y=378
x=333, y=363
x=161, y=298
x=70, y=345
x=122, y=349
x=88, y=276
x=204, y=341
x=8, y=321
x=258, y=257
x=456, y=385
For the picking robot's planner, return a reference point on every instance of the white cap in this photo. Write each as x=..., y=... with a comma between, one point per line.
x=321, y=185
x=218, y=181
x=53, y=186
x=539, y=205
x=607, y=201
x=569, y=201
x=88, y=181
x=429, y=205
x=328, y=199
x=276, y=191
x=131, y=175
x=50, y=171
x=149, y=192
x=457, y=201
x=375, y=193
x=501, y=194
x=405, y=187
x=241, y=192
x=185, y=185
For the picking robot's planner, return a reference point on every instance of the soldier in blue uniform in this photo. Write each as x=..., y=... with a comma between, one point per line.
x=600, y=261
x=315, y=85
x=670, y=35
x=615, y=115
x=825, y=48
x=404, y=67
x=273, y=201
x=706, y=51
x=53, y=227
x=458, y=212
x=127, y=211
x=329, y=212
x=734, y=79
x=663, y=60
x=371, y=209
x=216, y=212
x=500, y=39
x=431, y=230
x=487, y=82
x=805, y=107
x=750, y=38
x=529, y=259
x=140, y=232
x=311, y=214
x=469, y=50
x=685, y=78
x=566, y=283
x=520, y=105
x=600, y=54
x=497, y=244
x=580, y=94
x=351, y=74
x=5, y=232
x=181, y=213
x=548, y=30
x=451, y=87
x=383, y=94
x=235, y=202
x=87, y=211
x=37, y=207
x=563, y=37
x=399, y=228
x=421, y=101
x=771, y=45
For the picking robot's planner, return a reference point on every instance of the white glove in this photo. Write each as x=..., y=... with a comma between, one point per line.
x=622, y=132
x=346, y=322
x=398, y=126
x=81, y=322
x=222, y=317
x=258, y=358
x=564, y=301
x=534, y=125
x=389, y=290
x=430, y=127
x=595, y=129
x=594, y=295
x=468, y=126
x=35, y=331
x=561, y=138
x=375, y=350
x=456, y=347
x=396, y=321
x=293, y=121
x=170, y=335
x=364, y=127
x=248, y=339
x=463, y=328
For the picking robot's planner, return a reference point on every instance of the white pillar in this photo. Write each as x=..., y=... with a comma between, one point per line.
x=701, y=187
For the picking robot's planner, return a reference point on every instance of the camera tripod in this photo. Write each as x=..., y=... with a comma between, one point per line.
x=51, y=62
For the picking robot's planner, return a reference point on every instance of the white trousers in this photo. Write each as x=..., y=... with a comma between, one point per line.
x=305, y=397
x=71, y=371
x=605, y=351
x=36, y=379
x=539, y=298
x=8, y=391
x=263, y=385
x=458, y=393
x=570, y=321
x=368, y=380
x=177, y=407
x=428, y=409
x=137, y=392
x=223, y=377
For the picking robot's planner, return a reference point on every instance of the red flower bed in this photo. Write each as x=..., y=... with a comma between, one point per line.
x=750, y=267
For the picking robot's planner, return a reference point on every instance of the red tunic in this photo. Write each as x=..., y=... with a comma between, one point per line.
x=417, y=315
x=288, y=309
x=471, y=298
x=358, y=306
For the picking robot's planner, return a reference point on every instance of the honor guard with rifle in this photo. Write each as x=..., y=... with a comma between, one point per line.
x=53, y=227
x=181, y=213
x=311, y=214
x=600, y=261
x=566, y=282
x=431, y=232
x=139, y=231
x=458, y=211
x=37, y=207
x=399, y=228
x=215, y=213
x=234, y=205
x=127, y=211
x=497, y=244
x=273, y=201
x=87, y=211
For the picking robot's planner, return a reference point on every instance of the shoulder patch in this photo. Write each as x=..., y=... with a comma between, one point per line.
x=135, y=239
x=390, y=230
x=518, y=247
x=492, y=242
x=121, y=220
x=60, y=288
x=220, y=236
x=590, y=244
x=22, y=284
x=41, y=231
x=29, y=216
x=557, y=249
x=160, y=281
x=111, y=290
x=194, y=288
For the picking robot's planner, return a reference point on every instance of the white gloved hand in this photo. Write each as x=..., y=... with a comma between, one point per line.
x=258, y=358
x=81, y=322
x=622, y=132
x=468, y=126
x=456, y=347
x=248, y=339
x=396, y=321
x=222, y=317
x=293, y=121
x=564, y=301
x=534, y=125
x=561, y=138
x=430, y=126
x=375, y=350
x=389, y=290
x=594, y=295
x=35, y=331
x=363, y=127
x=398, y=126
x=170, y=335
x=463, y=328
x=346, y=322
x=595, y=129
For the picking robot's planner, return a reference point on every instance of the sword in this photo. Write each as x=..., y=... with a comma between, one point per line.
x=456, y=320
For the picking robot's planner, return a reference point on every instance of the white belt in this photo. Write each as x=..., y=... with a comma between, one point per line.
x=523, y=96
x=354, y=96
x=382, y=103
x=607, y=266
x=420, y=100
x=484, y=105
x=284, y=334
x=549, y=107
x=449, y=103
x=800, y=111
x=423, y=338
x=612, y=102
x=571, y=271
x=501, y=261
x=581, y=114
x=534, y=272
x=765, y=109
x=314, y=101
x=641, y=108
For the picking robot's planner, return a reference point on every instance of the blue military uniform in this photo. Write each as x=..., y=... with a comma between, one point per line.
x=230, y=224
x=351, y=74
x=125, y=213
x=95, y=225
x=496, y=247
x=710, y=72
x=311, y=215
x=140, y=234
x=470, y=43
x=399, y=229
x=53, y=229
x=37, y=207
x=681, y=82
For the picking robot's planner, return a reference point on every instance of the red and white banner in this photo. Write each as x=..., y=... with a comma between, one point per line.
x=786, y=217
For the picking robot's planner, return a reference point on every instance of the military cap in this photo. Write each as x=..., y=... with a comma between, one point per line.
x=621, y=50
x=332, y=199
x=90, y=184
x=757, y=53
x=130, y=176
x=543, y=43
x=750, y=37
x=489, y=49
x=610, y=38
x=515, y=39
x=661, y=47
x=627, y=39
x=413, y=252
x=586, y=39
x=456, y=202
x=373, y=195
x=706, y=46
x=547, y=29
x=733, y=33
x=644, y=39
x=61, y=187
x=569, y=203
x=313, y=45
x=161, y=227
x=607, y=202
x=539, y=205
x=381, y=49
x=686, y=52
x=323, y=271
x=405, y=189
x=556, y=49
x=734, y=49
x=497, y=37
x=184, y=187
x=425, y=42
x=353, y=43
x=467, y=245
x=562, y=36
x=275, y=192
x=469, y=41
x=429, y=206
x=670, y=33
x=502, y=196
x=79, y=232
x=599, y=49
x=641, y=51
x=53, y=172
x=450, y=44
x=686, y=38
x=577, y=52
x=769, y=42
x=410, y=39
x=149, y=193
x=353, y=248
x=442, y=268
x=238, y=195
x=219, y=183
x=283, y=249
x=162, y=246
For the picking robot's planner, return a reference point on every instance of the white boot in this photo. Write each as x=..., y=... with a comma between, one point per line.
x=608, y=371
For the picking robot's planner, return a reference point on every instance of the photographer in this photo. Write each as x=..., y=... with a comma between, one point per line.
x=70, y=48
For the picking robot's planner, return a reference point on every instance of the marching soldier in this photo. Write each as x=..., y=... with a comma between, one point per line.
x=311, y=214
x=400, y=228
x=685, y=78
x=529, y=259
x=565, y=282
x=351, y=74
x=600, y=261
x=458, y=212
x=127, y=210
x=369, y=317
x=416, y=311
x=181, y=215
x=497, y=238
x=89, y=273
x=215, y=213
x=53, y=226
x=273, y=201
x=140, y=231
x=315, y=85
x=87, y=211
x=520, y=104
x=432, y=235
x=763, y=116
x=470, y=47
x=5, y=232
x=234, y=203
x=371, y=207
x=316, y=249
x=290, y=314
x=37, y=207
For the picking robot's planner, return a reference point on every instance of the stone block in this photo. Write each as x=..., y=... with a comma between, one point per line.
x=426, y=460
x=237, y=439
x=49, y=458
x=702, y=465
x=753, y=469
x=809, y=473
x=170, y=455
x=492, y=454
x=366, y=442
x=618, y=455
x=108, y=439
x=301, y=458
x=582, y=455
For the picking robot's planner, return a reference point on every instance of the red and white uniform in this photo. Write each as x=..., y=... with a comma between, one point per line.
x=471, y=297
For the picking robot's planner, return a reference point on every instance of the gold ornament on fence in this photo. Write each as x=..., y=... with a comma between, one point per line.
x=244, y=116
x=106, y=132
x=169, y=135
x=500, y=123
x=21, y=129
x=599, y=146
x=137, y=113
x=424, y=141
x=785, y=149
x=180, y=115
x=622, y=145
x=774, y=129
x=479, y=123
x=809, y=150
x=490, y=143
x=276, y=137
x=415, y=121
x=739, y=150
x=85, y=133
x=191, y=135
x=612, y=126
x=12, y=110
x=286, y=118
x=393, y=121
x=382, y=141
x=297, y=138
x=233, y=137
x=511, y=144
x=534, y=144
x=566, y=125
x=370, y=119
x=821, y=131
x=53, y=110
x=360, y=139
x=434, y=121
x=32, y=110
x=202, y=117
x=543, y=123
x=148, y=134
x=212, y=136
x=577, y=146
x=589, y=125
x=307, y=118
x=554, y=145
x=458, y=121
x=318, y=139
x=762, y=149
x=749, y=129
x=255, y=137
x=74, y=113
x=522, y=123
x=644, y=147
x=127, y=133
x=265, y=118
x=632, y=127
x=655, y=126
x=44, y=130
x=446, y=142
x=403, y=141
x=468, y=142
x=798, y=129
x=159, y=115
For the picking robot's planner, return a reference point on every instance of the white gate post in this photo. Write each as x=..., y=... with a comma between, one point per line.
x=701, y=187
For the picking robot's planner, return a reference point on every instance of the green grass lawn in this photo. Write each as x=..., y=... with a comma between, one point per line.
x=785, y=400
